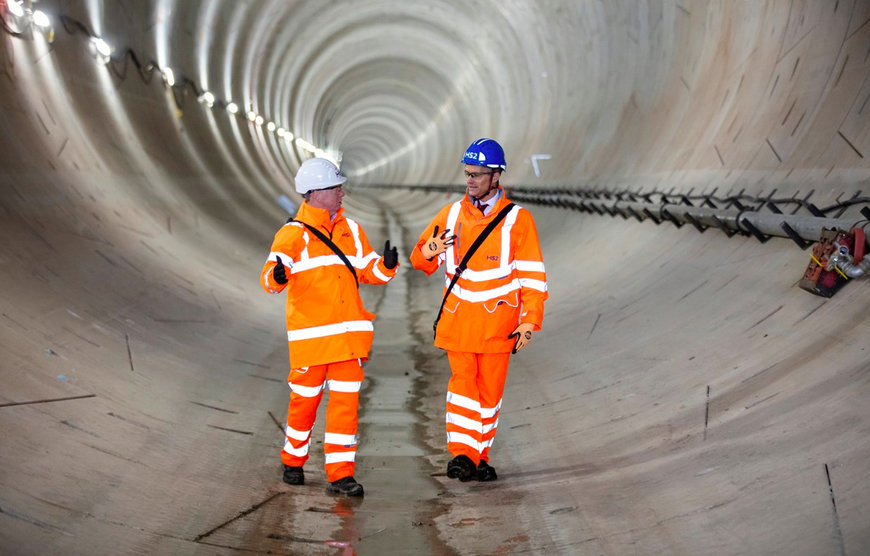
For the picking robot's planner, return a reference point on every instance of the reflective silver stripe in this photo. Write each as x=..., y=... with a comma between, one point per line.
x=491, y=426
x=346, y=440
x=539, y=285
x=317, y=262
x=464, y=422
x=303, y=256
x=333, y=260
x=463, y=401
x=468, y=403
x=489, y=412
x=354, y=229
x=344, y=386
x=463, y=439
x=506, y=226
x=502, y=271
x=380, y=275
x=530, y=266
x=296, y=434
x=306, y=391
x=298, y=452
x=450, y=254
x=330, y=330
x=485, y=295
x=362, y=262
x=338, y=457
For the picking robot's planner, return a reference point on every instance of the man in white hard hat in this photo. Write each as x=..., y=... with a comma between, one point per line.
x=319, y=257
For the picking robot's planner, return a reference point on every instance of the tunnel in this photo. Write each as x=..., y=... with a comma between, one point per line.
x=685, y=394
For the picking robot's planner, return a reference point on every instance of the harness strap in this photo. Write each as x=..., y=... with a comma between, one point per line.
x=322, y=237
x=464, y=264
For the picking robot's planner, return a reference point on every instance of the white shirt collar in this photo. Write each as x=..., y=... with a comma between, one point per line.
x=490, y=203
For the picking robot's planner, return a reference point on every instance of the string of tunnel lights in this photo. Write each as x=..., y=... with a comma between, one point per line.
x=19, y=19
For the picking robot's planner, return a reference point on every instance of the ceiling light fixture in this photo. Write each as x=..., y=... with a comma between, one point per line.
x=101, y=49
x=207, y=98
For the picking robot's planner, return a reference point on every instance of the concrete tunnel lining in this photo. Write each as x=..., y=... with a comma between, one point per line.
x=684, y=396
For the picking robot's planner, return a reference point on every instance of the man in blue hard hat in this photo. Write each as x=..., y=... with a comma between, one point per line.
x=494, y=303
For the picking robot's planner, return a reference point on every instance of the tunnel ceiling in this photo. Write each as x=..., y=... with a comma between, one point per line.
x=640, y=95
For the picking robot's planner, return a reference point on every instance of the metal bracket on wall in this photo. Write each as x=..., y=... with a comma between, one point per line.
x=761, y=217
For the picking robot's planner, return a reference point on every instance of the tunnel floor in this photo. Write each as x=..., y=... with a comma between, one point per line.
x=713, y=407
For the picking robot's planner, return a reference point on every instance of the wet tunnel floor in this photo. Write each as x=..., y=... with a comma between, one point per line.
x=670, y=443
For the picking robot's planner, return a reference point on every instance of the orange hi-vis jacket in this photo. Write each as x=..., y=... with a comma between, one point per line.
x=505, y=282
x=326, y=320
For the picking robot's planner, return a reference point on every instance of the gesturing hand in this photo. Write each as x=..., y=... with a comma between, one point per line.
x=279, y=273
x=438, y=244
x=523, y=335
x=391, y=256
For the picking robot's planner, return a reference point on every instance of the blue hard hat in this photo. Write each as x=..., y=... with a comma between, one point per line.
x=485, y=152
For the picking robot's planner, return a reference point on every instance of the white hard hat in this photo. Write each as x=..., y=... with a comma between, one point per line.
x=317, y=173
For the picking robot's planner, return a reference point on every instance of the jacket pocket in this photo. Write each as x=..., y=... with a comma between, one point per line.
x=449, y=321
x=500, y=316
x=507, y=301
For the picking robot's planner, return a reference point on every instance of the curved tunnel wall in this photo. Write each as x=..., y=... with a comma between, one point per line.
x=672, y=363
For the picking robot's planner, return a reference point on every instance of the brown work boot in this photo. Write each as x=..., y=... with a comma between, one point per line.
x=347, y=486
x=461, y=467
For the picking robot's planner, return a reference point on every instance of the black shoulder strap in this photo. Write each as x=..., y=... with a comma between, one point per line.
x=464, y=264
x=322, y=237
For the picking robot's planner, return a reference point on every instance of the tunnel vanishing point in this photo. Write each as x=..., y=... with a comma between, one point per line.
x=684, y=396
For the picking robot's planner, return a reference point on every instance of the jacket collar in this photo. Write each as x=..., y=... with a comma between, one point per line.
x=319, y=217
x=502, y=201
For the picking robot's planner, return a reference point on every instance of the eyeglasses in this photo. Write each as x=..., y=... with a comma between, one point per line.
x=475, y=175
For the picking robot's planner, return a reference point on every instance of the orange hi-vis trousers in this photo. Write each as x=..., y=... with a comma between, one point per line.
x=306, y=389
x=474, y=396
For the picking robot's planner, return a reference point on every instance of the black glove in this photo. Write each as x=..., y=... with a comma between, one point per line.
x=391, y=256
x=278, y=273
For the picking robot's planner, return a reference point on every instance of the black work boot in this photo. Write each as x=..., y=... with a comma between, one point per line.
x=462, y=468
x=485, y=472
x=294, y=475
x=347, y=486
